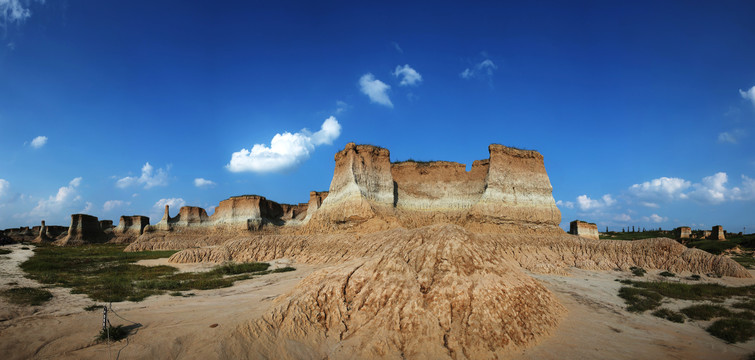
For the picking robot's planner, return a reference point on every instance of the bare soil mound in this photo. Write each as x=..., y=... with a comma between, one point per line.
x=435, y=292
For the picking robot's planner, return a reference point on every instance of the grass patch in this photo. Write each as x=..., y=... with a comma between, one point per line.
x=705, y=311
x=669, y=315
x=115, y=333
x=638, y=235
x=27, y=296
x=699, y=292
x=283, y=269
x=732, y=330
x=746, y=261
x=105, y=273
x=749, y=305
x=667, y=274
x=640, y=300
x=637, y=271
x=694, y=277
x=5, y=251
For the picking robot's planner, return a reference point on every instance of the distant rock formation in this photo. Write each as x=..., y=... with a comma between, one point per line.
x=718, y=233
x=584, y=229
x=315, y=201
x=43, y=237
x=84, y=229
x=129, y=228
x=683, y=232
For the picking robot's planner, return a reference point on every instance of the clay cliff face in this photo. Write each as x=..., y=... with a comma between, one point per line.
x=84, y=229
x=131, y=225
x=509, y=191
x=683, y=232
x=245, y=212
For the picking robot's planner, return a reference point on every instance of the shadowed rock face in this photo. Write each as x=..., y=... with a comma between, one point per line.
x=43, y=236
x=683, y=232
x=717, y=233
x=584, y=229
x=131, y=225
x=84, y=229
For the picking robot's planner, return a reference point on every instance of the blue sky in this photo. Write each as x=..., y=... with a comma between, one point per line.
x=644, y=111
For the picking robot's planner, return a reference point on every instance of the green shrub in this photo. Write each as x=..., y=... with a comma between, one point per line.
x=667, y=274
x=115, y=333
x=93, y=307
x=27, y=296
x=283, y=269
x=669, y=315
x=750, y=304
x=705, y=311
x=637, y=271
x=732, y=330
x=5, y=251
x=640, y=300
x=694, y=277
x=240, y=268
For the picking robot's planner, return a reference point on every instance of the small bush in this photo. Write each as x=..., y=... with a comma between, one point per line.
x=732, y=330
x=705, y=311
x=640, y=300
x=694, y=277
x=27, y=296
x=5, y=251
x=24, y=248
x=637, y=271
x=669, y=315
x=667, y=274
x=93, y=307
x=240, y=268
x=116, y=333
x=750, y=305
x=283, y=269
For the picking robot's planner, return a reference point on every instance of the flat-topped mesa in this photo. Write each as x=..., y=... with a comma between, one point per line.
x=131, y=225
x=584, y=229
x=717, y=233
x=84, y=229
x=248, y=212
x=191, y=216
x=683, y=232
x=510, y=190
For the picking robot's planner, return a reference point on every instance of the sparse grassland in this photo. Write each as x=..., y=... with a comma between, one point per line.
x=638, y=235
x=5, y=251
x=747, y=261
x=106, y=273
x=731, y=326
x=27, y=296
x=637, y=271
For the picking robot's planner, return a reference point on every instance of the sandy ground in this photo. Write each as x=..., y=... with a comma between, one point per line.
x=168, y=327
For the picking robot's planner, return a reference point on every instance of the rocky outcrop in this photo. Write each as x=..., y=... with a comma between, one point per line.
x=43, y=237
x=248, y=212
x=584, y=229
x=510, y=191
x=294, y=212
x=84, y=229
x=683, y=232
x=315, y=201
x=191, y=216
x=129, y=228
x=718, y=233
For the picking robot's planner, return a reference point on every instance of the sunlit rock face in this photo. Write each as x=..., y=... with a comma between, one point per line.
x=584, y=229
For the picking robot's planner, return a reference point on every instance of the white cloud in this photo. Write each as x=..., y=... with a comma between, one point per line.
x=623, y=217
x=149, y=178
x=286, y=151
x=87, y=208
x=375, y=89
x=664, y=188
x=409, y=76
x=200, y=182
x=586, y=203
x=650, y=204
x=172, y=202
x=13, y=11
x=654, y=218
x=54, y=204
x=341, y=106
x=566, y=204
x=712, y=190
x=749, y=94
x=38, y=141
x=484, y=69
x=113, y=204
x=4, y=186
x=732, y=136
x=746, y=191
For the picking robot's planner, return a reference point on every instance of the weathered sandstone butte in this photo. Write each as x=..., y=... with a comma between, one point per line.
x=417, y=259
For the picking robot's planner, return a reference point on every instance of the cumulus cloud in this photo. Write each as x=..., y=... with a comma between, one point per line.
x=87, y=208
x=341, y=106
x=409, y=76
x=586, y=203
x=622, y=217
x=712, y=189
x=732, y=136
x=746, y=191
x=483, y=69
x=172, y=202
x=114, y=204
x=748, y=94
x=203, y=183
x=654, y=218
x=286, y=151
x=13, y=11
x=566, y=204
x=149, y=178
x=375, y=89
x=663, y=188
x=54, y=204
x=38, y=141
